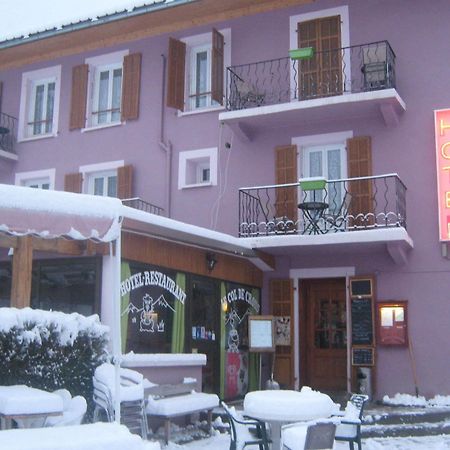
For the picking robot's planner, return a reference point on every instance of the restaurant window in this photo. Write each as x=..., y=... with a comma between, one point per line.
x=66, y=285
x=5, y=284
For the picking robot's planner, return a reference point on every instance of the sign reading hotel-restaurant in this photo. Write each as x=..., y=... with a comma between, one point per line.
x=442, y=135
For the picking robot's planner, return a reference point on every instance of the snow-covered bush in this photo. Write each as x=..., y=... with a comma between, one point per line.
x=51, y=350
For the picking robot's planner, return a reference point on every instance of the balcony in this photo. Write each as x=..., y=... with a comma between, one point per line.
x=365, y=211
x=356, y=81
x=8, y=125
x=142, y=205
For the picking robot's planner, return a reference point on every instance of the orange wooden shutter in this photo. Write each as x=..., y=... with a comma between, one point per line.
x=73, y=182
x=217, y=66
x=322, y=74
x=79, y=97
x=286, y=172
x=359, y=160
x=125, y=182
x=131, y=86
x=176, y=74
x=282, y=305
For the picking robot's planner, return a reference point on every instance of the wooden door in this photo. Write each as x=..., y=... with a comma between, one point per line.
x=326, y=335
x=320, y=75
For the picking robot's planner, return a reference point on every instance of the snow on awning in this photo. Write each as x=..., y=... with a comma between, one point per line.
x=53, y=214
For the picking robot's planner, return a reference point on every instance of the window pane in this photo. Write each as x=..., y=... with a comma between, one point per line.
x=205, y=175
x=201, y=78
x=116, y=94
x=50, y=105
x=334, y=173
x=315, y=164
x=38, y=109
x=98, y=186
x=45, y=186
x=103, y=89
x=112, y=186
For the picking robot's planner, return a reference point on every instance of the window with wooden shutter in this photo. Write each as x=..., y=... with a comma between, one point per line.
x=131, y=86
x=176, y=74
x=359, y=161
x=80, y=76
x=282, y=305
x=73, y=182
x=320, y=75
x=125, y=182
x=217, y=66
x=286, y=204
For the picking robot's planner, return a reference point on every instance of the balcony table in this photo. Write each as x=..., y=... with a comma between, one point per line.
x=27, y=406
x=285, y=406
x=313, y=212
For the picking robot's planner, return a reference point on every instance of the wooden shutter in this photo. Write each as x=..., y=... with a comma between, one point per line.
x=73, y=182
x=282, y=305
x=286, y=172
x=359, y=160
x=125, y=182
x=131, y=86
x=322, y=74
x=176, y=74
x=217, y=66
x=80, y=76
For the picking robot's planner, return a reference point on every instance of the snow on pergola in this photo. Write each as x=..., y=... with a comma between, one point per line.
x=54, y=214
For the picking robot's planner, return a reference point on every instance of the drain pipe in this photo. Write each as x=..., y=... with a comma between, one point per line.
x=166, y=147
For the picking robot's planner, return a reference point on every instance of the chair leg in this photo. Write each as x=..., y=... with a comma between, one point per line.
x=167, y=430
x=352, y=447
x=209, y=420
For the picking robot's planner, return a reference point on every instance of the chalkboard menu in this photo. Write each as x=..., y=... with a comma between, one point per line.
x=362, y=321
x=363, y=356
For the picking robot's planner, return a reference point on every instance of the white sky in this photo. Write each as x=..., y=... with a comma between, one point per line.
x=22, y=17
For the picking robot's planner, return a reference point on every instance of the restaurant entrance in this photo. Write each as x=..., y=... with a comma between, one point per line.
x=324, y=347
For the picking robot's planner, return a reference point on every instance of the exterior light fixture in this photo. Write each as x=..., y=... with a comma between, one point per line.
x=211, y=261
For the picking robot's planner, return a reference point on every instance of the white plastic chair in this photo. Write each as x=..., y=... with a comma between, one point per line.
x=309, y=435
x=73, y=413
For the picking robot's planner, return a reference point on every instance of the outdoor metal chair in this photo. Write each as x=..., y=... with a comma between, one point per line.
x=337, y=221
x=312, y=436
x=245, y=431
x=350, y=428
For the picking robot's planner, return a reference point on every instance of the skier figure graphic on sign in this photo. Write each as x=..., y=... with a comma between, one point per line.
x=148, y=316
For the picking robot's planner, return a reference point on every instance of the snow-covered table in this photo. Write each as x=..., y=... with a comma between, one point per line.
x=280, y=407
x=27, y=406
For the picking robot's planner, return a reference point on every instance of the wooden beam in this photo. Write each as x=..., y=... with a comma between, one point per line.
x=21, y=273
x=8, y=241
x=168, y=20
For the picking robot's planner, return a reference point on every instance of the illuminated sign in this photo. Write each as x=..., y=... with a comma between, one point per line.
x=442, y=134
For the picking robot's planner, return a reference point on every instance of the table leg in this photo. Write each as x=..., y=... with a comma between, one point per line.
x=275, y=433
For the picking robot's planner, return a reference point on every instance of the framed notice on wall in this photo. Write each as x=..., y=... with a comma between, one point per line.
x=261, y=336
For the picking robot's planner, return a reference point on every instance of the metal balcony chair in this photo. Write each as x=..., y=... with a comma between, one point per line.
x=315, y=436
x=338, y=221
x=350, y=428
x=245, y=431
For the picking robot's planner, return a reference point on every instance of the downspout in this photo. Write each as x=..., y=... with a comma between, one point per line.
x=166, y=146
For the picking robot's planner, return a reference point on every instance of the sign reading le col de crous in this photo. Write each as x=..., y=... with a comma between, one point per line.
x=442, y=134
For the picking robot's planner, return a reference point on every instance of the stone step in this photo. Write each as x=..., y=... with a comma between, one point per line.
x=416, y=429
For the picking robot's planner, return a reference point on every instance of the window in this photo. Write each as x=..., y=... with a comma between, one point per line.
x=197, y=168
x=39, y=105
x=103, y=183
x=40, y=179
x=196, y=70
x=105, y=90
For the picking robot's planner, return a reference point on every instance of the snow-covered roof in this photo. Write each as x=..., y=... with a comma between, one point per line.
x=52, y=214
x=23, y=21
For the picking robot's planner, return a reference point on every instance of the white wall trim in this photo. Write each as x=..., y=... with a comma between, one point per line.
x=22, y=177
x=320, y=272
x=192, y=155
x=100, y=167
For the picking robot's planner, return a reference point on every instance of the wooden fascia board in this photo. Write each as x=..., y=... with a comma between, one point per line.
x=130, y=29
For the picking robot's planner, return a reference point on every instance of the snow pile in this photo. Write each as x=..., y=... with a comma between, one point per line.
x=132, y=359
x=420, y=401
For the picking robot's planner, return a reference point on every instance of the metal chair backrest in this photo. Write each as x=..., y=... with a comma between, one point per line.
x=359, y=400
x=320, y=436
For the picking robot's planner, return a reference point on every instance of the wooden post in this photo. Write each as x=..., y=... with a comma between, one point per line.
x=21, y=273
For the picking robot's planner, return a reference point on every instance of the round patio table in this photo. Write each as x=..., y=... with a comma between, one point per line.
x=284, y=406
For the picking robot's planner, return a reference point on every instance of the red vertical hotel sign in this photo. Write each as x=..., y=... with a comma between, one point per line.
x=442, y=133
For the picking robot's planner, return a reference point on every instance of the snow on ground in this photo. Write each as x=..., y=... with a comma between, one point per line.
x=411, y=400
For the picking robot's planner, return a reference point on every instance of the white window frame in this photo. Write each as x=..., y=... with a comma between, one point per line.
x=103, y=170
x=27, y=99
x=97, y=64
x=195, y=44
x=194, y=162
x=341, y=11
x=36, y=176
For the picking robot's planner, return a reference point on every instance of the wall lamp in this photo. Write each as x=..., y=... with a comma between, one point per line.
x=211, y=261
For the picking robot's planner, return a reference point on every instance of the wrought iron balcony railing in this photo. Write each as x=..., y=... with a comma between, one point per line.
x=344, y=205
x=138, y=203
x=328, y=73
x=7, y=132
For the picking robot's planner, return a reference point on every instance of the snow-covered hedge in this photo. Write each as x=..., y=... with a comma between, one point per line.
x=51, y=350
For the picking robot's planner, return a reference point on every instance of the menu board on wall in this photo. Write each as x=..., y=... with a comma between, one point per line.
x=261, y=334
x=362, y=321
